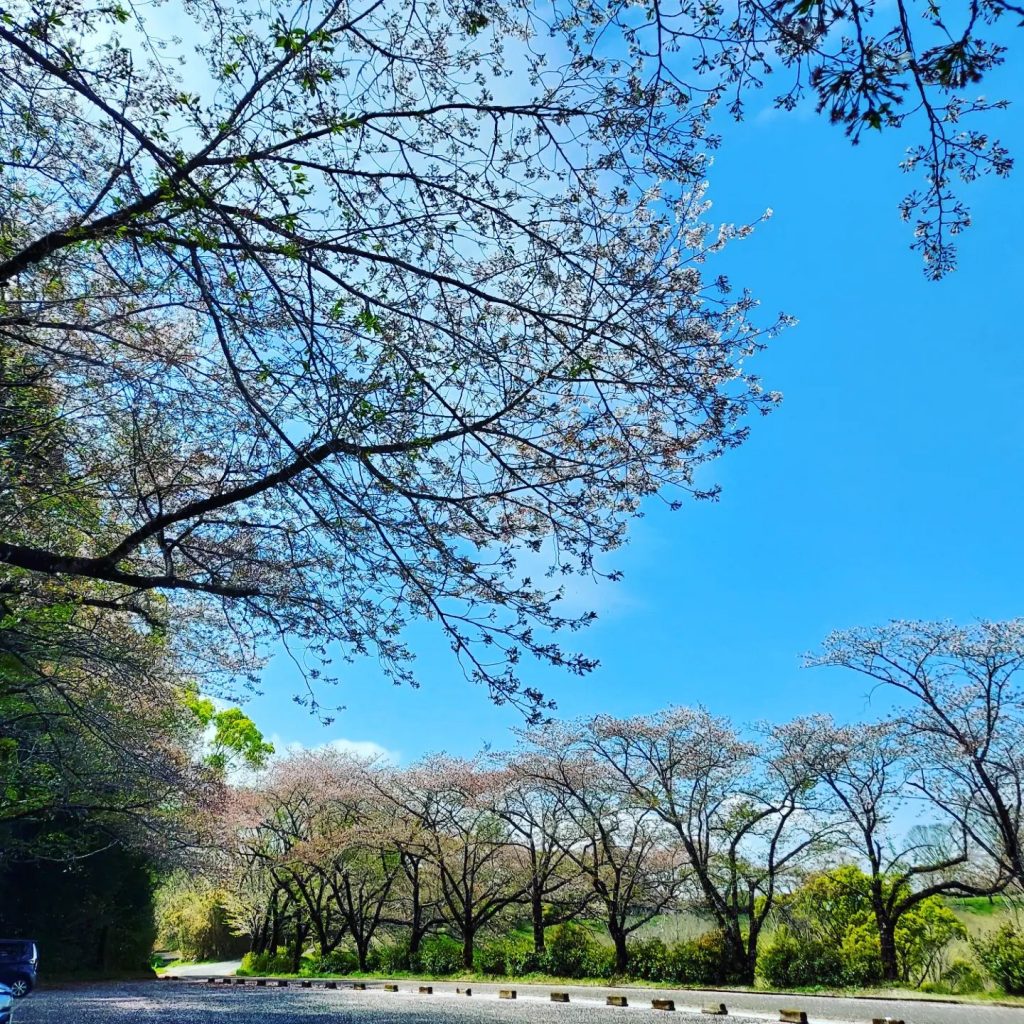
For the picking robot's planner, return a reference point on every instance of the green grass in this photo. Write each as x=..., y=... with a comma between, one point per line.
x=982, y=906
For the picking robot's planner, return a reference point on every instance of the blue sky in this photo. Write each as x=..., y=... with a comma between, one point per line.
x=888, y=484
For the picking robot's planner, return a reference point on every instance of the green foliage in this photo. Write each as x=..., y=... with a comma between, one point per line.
x=193, y=920
x=236, y=738
x=833, y=911
x=511, y=957
x=277, y=961
x=649, y=960
x=439, y=954
x=93, y=915
x=338, y=961
x=828, y=904
x=393, y=957
x=861, y=950
x=699, y=961
x=600, y=961
x=961, y=977
x=572, y=952
x=1002, y=956
x=922, y=935
x=792, y=961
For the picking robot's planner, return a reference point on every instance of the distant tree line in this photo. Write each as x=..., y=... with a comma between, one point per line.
x=840, y=839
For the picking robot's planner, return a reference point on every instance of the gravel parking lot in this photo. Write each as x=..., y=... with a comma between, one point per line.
x=194, y=1003
x=191, y=1002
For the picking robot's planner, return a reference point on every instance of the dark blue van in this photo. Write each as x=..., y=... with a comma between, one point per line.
x=19, y=962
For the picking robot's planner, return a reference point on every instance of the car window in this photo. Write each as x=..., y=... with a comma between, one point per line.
x=14, y=951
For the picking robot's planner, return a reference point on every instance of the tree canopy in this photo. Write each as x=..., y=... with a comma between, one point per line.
x=343, y=308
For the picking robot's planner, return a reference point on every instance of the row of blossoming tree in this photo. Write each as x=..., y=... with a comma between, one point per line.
x=624, y=819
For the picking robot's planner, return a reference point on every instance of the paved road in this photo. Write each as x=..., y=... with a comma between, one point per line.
x=205, y=970
x=188, y=1002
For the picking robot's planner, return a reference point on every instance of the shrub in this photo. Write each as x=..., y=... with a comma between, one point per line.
x=278, y=961
x=521, y=959
x=862, y=955
x=510, y=957
x=393, y=957
x=922, y=935
x=440, y=954
x=1002, y=956
x=338, y=961
x=570, y=951
x=599, y=961
x=699, y=961
x=490, y=958
x=962, y=977
x=251, y=963
x=648, y=959
x=791, y=961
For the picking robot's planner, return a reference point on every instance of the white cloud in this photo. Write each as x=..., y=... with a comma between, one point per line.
x=358, y=748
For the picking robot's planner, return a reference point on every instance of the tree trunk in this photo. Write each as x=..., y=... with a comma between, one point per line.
x=467, y=949
x=621, y=949
x=737, y=967
x=537, y=907
x=412, y=872
x=886, y=926
x=259, y=935
x=750, y=952
x=887, y=946
x=275, y=931
x=300, y=935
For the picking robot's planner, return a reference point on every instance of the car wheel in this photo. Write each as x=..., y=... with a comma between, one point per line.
x=20, y=987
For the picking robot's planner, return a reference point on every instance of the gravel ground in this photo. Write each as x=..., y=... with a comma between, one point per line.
x=196, y=1003
x=190, y=1002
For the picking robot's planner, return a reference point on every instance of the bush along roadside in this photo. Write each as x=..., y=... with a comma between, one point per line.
x=1002, y=956
x=787, y=960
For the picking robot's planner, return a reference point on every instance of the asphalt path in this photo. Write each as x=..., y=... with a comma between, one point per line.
x=205, y=970
x=194, y=1002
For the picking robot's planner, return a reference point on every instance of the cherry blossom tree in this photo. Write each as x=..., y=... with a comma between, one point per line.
x=960, y=709
x=480, y=869
x=540, y=821
x=280, y=829
x=868, y=771
x=359, y=855
x=367, y=301
x=101, y=727
x=744, y=812
x=616, y=842
x=417, y=899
